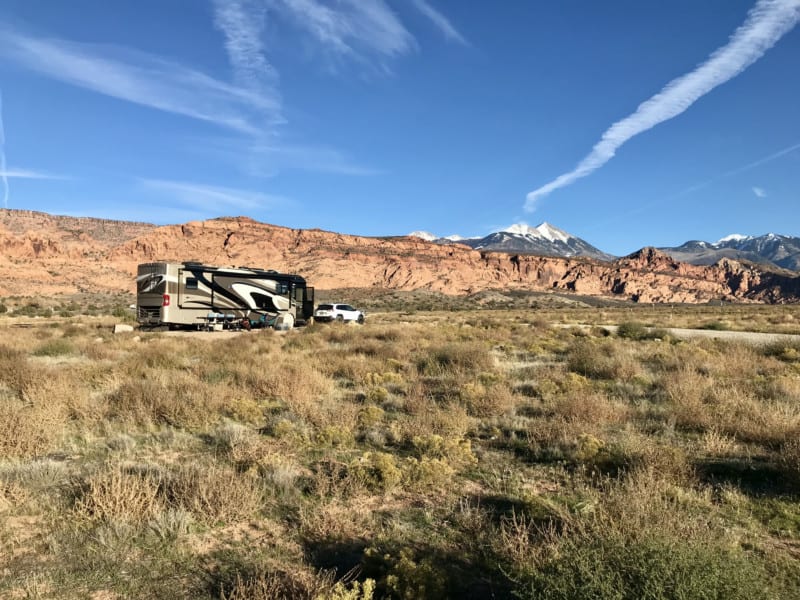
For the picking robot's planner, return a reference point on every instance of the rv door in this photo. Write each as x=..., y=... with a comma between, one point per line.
x=189, y=293
x=308, y=303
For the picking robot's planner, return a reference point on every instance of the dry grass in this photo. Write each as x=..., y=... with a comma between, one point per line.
x=480, y=453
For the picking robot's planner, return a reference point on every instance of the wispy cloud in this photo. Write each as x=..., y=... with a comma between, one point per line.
x=759, y=192
x=438, y=19
x=266, y=159
x=250, y=105
x=242, y=23
x=15, y=173
x=267, y=153
x=766, y=23
x=204, y=197
x=143, y=79
x=738, y=170
x=646, y=206
x=761, y=161
x=351, y=28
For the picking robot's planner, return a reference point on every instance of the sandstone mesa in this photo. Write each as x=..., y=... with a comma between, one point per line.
x=47, y=254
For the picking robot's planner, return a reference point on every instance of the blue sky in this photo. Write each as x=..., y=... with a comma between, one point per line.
x=626, y=122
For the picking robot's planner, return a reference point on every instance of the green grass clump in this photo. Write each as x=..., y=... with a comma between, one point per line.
x=56, y=347
x=602, y=565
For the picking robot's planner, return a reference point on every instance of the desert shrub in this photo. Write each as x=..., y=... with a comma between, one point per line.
x=33, y=309
x=427, y=474
x=296, y=584
x=377, y=471
x=737, y=410
x=332, y=479
x=377, y=349
x=154, y=356
x=645, y=540
x=370, y=416
x=124, y=313
x=377, y=394
x=297, y=384
x=276, y=584
x=550, y=382
x=288, y=429
x=240, y=444
x=632, y=330
x=15, y=372
x=28, y=429
x=392, y=335
x=352, y=591
x=790, y=458
x=601, y=359
x=459, y=357
x=213, y=494
x=115, y=494
x=785, y=351
x=455, y=451
x=777, y=389
x=282, y=475
x=333, y=435
x=485, y=400
x=715, y=326
x=602, y=564
x=590, y=408
x=148, y=401
x=56, y=347
x=685, y=393
x=402, y=574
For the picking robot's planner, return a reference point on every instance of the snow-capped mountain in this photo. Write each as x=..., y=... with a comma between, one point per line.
x=777, y=250
x=521, y=238
x=424, y=235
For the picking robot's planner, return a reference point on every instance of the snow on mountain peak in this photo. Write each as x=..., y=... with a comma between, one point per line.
x=734, y=237
x=520, y=229
x=542, y=231
x=551, y=233
x=425, y=235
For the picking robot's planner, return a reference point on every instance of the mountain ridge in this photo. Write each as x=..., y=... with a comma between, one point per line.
x=65, y=255
x=781, y=251
x=544, y=239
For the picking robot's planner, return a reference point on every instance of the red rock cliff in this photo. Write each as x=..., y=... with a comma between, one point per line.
x=46, y=254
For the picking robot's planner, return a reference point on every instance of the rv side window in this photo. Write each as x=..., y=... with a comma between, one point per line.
x=263, y=301
x=282, y=288
x=191, y=283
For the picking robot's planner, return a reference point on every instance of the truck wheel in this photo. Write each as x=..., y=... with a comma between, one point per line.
x=339, y=318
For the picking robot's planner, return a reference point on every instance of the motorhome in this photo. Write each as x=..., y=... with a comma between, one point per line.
x=190, y=294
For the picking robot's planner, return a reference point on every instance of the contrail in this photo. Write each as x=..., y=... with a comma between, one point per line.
x=766, y=23
x=3, y=155
x=696, y=187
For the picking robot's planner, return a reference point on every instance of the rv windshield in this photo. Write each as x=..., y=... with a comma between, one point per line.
x=151, y=283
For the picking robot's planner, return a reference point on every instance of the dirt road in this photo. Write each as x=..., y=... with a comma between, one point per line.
x=747, y=337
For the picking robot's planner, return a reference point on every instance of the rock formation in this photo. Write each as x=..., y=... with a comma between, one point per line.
x=45, y=254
